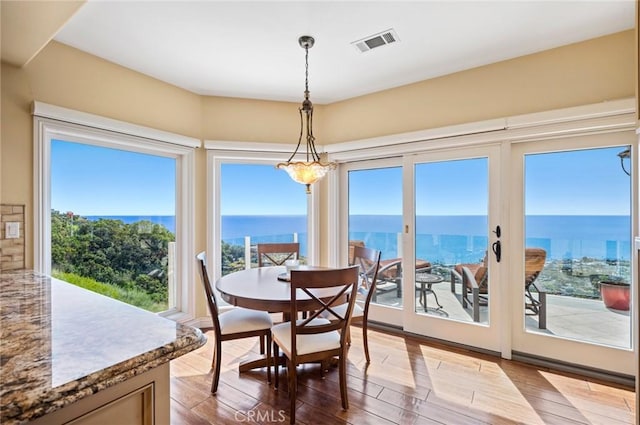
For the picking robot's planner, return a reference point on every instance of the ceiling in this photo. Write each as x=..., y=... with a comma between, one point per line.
x=250, y=49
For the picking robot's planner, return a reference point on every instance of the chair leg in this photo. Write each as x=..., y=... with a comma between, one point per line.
x=476, y=304
x=262, y=339
x=217, y=362
x=542, y=311
x=343, y=380
x=365, y=341
x=269, y=358
x=465, y=291
x=276, y=364
x=213, y=356
x=293, y=387
x=324, y=365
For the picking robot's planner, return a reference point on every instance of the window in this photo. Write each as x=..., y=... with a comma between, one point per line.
x=113, y=210
x=258, y=204
x=254, y=202
x=113, y=222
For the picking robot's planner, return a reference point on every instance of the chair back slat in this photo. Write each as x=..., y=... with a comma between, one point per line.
x=368, y=262
x=326, y=305
x=326, y=287
x=211, y=297
x=276, y=254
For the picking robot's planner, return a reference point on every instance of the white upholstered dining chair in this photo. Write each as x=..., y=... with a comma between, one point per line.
x=316, y=339
x=234, y=324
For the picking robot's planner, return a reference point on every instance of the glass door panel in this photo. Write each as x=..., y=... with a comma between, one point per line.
x=451, y=199
x=578, y=216
x=451, y=205
x=375, y=221
x=573, y=200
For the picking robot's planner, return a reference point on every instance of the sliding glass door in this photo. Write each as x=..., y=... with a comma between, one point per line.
x=574, y=203
x=451, y=283
x=522, y=249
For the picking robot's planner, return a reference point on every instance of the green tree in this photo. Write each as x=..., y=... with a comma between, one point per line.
x=130, y=256
x=232, y=258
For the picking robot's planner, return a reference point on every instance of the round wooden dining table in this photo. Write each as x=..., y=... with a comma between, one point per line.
x=260, y=289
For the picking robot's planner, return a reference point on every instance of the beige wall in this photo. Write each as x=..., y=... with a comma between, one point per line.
x=67, y=77
x=226, y=118
x=16, y=152
x=589, y=72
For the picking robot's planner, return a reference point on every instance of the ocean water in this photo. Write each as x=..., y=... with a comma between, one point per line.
x=441, y=239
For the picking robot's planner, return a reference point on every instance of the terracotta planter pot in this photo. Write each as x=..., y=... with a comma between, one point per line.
x=615, y=296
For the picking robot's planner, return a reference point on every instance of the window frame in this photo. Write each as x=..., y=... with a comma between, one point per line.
x=54, y=122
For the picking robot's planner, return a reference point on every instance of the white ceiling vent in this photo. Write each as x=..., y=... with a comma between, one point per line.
x=377, y=40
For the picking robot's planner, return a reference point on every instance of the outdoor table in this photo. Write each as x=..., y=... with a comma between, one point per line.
x=424, y=283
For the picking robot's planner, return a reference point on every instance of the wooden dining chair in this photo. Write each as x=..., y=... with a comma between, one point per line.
x=368, y=261
x=234, y=324
x=275, y=254
x=316, y=339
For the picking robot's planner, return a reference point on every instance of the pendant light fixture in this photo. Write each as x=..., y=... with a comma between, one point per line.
x=309, y=171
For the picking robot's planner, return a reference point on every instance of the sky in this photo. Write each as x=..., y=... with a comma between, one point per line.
x=90, y=180
x=259, y=189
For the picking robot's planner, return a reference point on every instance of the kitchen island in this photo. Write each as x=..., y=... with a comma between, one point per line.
x=68, y=354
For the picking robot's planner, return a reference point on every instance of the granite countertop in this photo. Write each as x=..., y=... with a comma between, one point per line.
x=60, y=343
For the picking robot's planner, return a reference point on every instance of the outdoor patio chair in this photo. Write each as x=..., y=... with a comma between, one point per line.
x=390, y=275
x=390, y=272
x=475, y=284
x=534, y=260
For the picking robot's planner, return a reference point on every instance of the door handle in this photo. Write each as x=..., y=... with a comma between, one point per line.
x=496, y=247
x=497, y=250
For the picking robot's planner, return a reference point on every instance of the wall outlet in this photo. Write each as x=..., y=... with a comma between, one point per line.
x=12, y=230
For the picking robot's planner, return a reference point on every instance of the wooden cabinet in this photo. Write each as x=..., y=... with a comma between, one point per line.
x=141, y=400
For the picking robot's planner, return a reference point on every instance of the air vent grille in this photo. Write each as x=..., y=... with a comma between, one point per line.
x=376, y=40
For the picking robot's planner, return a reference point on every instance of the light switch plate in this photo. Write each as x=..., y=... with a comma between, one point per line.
x=12, y=230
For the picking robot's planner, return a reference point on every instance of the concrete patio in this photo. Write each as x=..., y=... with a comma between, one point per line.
x=567, y=317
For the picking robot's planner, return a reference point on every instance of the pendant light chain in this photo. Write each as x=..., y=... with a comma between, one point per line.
x=306, y=72
x=313, y=169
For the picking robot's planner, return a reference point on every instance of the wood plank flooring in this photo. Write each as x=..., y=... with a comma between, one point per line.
x=409, y=381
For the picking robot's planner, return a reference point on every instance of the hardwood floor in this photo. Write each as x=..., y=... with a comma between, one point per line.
x=408, y=382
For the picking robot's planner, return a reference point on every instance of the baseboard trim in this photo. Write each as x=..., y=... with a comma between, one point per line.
x=599, y=374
